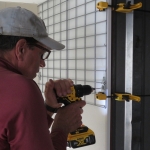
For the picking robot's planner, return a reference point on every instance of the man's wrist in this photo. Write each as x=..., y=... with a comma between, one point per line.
x=51, y=109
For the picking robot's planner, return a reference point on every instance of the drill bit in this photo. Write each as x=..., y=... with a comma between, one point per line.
x=96, y=88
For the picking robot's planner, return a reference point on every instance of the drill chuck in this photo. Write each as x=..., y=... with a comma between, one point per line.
x=82, y=90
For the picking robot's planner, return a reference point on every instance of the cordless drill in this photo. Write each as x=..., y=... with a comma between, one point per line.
x=83, y=136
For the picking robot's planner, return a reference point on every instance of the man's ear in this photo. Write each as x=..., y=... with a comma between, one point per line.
x=20, y=49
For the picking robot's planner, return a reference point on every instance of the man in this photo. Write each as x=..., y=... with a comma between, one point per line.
x=24, y=120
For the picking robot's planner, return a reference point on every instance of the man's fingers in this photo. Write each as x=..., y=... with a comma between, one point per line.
x=69, y=117
x=80, y=104
x=63, y=87
x=68, y=85
x=81, y=110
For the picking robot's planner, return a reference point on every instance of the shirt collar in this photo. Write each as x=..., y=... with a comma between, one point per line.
x=6, y=64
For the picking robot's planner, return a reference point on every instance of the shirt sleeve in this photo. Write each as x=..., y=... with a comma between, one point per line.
x=59, y=135
x=26, y=124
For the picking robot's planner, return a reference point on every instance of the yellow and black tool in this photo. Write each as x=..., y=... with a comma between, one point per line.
x=77, y=91
x=118, y=97
x=83, y=136
x=121, y=7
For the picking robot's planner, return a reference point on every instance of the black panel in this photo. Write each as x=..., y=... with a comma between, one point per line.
x=138, y=76
x=146, y=100
x=141, y=78
x=118, y=78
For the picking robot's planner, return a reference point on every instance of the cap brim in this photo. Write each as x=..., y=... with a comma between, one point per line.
x=50, y=43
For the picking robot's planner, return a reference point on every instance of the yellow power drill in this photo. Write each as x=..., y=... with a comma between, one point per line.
x=83, y=136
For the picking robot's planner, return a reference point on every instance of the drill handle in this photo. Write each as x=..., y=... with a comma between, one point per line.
x=63, y=100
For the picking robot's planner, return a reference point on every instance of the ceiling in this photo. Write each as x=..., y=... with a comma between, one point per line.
x=25, y=1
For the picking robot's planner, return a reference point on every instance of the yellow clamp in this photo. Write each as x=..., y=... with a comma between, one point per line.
x=125, y=8
x=101, y=96
x=102, y=6
x=118, y=97
x=121, y=7
x=126, y=97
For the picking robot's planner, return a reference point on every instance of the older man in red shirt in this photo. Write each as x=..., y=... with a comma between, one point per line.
x=24, y=120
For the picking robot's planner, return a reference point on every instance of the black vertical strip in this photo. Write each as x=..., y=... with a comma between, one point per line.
x=118, y=77
x=113, y=84
x=146, y=78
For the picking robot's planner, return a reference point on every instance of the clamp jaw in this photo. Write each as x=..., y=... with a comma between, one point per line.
x=102, y=6
x=101, y=96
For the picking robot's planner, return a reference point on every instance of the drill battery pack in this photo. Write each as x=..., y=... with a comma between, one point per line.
x=83, y=136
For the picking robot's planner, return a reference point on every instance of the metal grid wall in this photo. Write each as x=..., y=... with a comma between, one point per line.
x=82, y=29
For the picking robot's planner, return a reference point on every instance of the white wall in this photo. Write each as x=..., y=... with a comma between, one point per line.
x=97, y=119
x=84, y=31
x=32, y=7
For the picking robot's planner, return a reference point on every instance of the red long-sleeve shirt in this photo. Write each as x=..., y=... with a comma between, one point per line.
x=23, y=118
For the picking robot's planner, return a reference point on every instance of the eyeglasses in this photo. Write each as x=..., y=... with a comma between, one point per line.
x=46, y=53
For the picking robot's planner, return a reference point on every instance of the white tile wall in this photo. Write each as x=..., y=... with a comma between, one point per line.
x=82, y=29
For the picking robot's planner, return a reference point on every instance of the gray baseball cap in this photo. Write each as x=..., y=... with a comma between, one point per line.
x=17, y=21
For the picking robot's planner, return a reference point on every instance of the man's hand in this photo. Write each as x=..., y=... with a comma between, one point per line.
x=62, y=88
x=68, y=118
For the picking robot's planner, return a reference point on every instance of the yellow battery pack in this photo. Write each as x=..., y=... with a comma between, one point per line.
x=83, y=136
